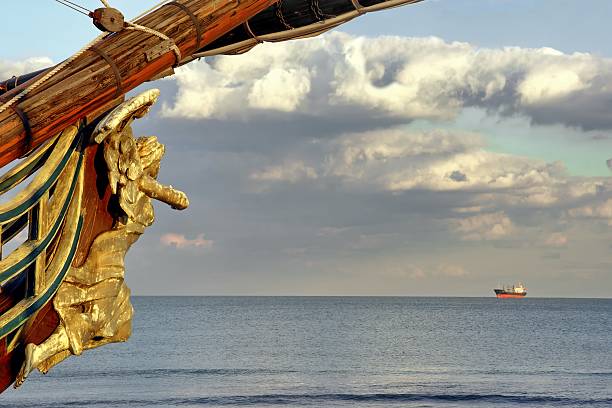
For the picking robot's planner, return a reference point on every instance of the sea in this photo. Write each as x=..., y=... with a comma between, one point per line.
x=343, y=352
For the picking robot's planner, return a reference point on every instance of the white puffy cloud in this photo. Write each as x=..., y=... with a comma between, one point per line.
x=485, y=227
x=551, y=82
x=289, y=171
x=180, y=241
x=280, y=89
x=398, y=77
x=398, y=159
x=9, y=69
x=484, y=191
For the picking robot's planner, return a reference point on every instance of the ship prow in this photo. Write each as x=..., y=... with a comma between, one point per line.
x=80, y=185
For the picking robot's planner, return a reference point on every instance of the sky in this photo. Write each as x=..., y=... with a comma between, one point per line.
x=438, y=149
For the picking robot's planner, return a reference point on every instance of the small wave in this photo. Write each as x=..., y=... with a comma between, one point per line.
x=165, y=372
x=542, y=372
x=538, y=373
x=199, y=372
x=352, y=399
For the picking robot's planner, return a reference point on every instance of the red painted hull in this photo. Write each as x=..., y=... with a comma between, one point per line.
x=510, y=296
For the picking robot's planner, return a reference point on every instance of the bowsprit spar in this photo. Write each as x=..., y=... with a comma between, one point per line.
x=82, y=190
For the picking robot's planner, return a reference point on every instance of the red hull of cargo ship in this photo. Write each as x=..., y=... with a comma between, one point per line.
x=510, y=296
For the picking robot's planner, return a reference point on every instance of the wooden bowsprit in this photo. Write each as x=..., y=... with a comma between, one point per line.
x=120, y=61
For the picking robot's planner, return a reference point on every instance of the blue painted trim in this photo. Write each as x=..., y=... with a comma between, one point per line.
x=31, y=257
x=27, y=171
x=23, y=317
x=20, y=209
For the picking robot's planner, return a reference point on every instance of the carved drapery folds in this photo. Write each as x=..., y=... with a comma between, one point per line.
x=93, y=302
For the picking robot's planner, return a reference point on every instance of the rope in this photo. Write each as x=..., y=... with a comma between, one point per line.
x=49, y=74
x=74, y=6
x=173, y=47
x=279, y=15
x=251, y=32
x=62, y=65
x=316, y=9
x=105, y=3
x=358, y=6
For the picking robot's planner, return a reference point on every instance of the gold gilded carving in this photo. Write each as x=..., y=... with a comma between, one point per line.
x=93, y=302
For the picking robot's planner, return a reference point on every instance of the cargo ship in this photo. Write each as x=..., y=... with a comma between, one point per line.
x=513, y=292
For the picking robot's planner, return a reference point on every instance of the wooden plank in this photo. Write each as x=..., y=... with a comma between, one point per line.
x=96, y=204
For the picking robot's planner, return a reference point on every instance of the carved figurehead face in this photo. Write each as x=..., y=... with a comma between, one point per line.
x=151, y=153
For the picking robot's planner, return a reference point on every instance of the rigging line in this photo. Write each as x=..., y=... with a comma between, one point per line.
x=74, y=6
x=105, y=3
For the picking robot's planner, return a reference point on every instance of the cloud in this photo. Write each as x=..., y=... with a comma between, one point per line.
x=289, y=171
x=397, y=78
x=330, y=231
x=556, y=240
x=402, y=272
x=485, y=227
x=371, y=241
x=600, y=211
x=179, y=241
x=329, y=179
x=280, y=89
x=9, y=69
x=451, y=271
x=398, y=160
x=410, y=271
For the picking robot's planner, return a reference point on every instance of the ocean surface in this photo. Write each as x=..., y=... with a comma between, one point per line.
x=343, y=352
